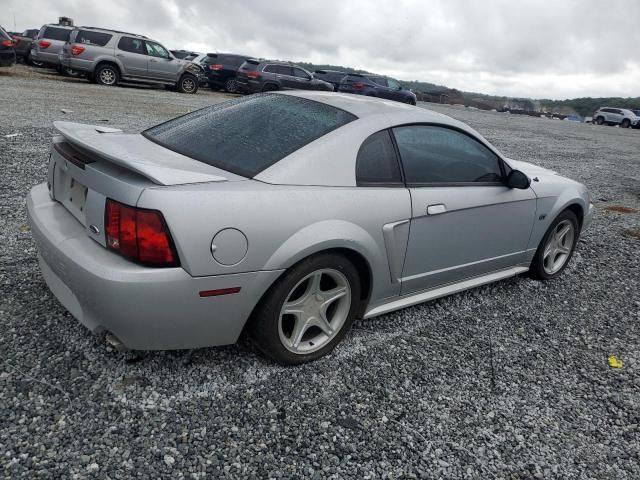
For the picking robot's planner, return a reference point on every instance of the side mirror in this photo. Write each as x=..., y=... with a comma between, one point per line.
x=517, y=179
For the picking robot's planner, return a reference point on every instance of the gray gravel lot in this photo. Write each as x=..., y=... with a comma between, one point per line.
x=506, y=381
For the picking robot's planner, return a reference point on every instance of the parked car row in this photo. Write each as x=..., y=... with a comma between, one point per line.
x=107, y=57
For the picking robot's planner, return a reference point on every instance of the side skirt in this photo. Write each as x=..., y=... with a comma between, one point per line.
x=425, y=296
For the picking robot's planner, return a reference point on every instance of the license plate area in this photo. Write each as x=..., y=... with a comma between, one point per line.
x=72, y=194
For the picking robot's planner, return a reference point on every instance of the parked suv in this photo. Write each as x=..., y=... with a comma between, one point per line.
x=616, y=116
x=108, y=56
x=22, y=44
x=267, y=76
x=221, y=70
x=47, y=47
x=7, y=53
x=334, y=77
x=376, y=86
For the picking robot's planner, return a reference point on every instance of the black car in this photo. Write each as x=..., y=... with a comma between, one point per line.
x=221, y=70
x=267, y=76
x=376, y=86
x=22, y=44
x=7, y=52
x=334, y=77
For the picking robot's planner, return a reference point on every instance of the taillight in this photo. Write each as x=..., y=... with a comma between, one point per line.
x=7, y=43
x=139, y=234
x=253, y=74
x=358, y=85
x=44, y=44
x=77, y=50
x=215, y=67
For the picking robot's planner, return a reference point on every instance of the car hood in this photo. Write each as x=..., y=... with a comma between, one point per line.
x=529, y=169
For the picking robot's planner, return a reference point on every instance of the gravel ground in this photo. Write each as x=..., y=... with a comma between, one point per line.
x=505, y=381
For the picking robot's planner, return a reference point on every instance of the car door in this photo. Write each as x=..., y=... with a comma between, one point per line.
x=285, y=77
x=131, y=52
x=302, y=78
x=394, y=90
x=464, y=222
x=381, y=89
x=161, y=65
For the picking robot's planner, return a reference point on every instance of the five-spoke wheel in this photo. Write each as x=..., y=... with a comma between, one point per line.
x=556, y=248
x=308, y=310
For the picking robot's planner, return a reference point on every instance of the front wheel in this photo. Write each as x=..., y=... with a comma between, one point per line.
x=556, y=248
x=599, y=120
x=625, y=123
x=308, y=311
x=188, y=84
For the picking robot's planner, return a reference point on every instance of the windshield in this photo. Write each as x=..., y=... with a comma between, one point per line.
x=247, y=135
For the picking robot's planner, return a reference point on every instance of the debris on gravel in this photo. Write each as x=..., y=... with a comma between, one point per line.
x=509, y=381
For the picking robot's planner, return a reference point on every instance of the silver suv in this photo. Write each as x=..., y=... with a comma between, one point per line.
x=108, y=56
x=616, y=116
x=47, y=47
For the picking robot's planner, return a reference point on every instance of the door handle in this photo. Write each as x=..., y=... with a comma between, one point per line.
x=152, y=60
x=436, y=209
x=120, y=55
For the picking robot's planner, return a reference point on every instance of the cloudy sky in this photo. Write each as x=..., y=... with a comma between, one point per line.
x=533, y=48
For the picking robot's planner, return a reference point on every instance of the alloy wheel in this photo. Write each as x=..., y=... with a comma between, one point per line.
x=107, y=76
x=188, y=85
x=314, y=311
x=231, y=86
x=558, y=247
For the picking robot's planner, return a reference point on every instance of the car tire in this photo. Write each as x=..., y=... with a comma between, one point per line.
x=625, y=123
x=321, y=319
x=188, y=84
x=556, y=248
x=231, y=85
x=107, y=74
x=270, y=87
x=599, y=120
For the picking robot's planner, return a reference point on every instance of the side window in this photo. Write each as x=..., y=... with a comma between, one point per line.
x=133, y=45
x=377, y=163
x=92, y=38
x=393, y=84
x=270, y=69
x=380, y=81
x=284, y=70
x=298, y=72
x=156, y=50
x=435, y=155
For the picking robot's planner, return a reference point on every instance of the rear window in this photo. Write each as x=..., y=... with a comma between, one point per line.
x=93, y=38
x=53, y=33
x=247, y=135
x=249, y=65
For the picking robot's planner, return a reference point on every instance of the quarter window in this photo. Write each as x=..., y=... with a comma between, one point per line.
x=92, y=38
x=437, y=155
x=133, y=45
x=377, y=163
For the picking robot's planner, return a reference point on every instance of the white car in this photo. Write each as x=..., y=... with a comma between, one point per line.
x=616, y=116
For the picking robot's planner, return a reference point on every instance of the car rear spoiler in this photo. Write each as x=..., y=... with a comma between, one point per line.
x=136, y=153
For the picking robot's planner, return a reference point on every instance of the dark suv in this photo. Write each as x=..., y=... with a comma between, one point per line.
x=267, y=76
x=221, y=70
x=334, y=77
x=7, y=53
x=376, y=86
x=23, y=43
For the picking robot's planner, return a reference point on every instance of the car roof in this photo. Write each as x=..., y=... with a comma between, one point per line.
x=330, y=160
x=57, y=25
x=100, y=29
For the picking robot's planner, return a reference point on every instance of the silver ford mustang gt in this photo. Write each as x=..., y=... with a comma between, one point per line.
x=286, y=216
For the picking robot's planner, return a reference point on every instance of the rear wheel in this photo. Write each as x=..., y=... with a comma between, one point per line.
x=231, y=85
x=270, y=87
x=188, y=84
x=308, y=311
x=556, y=248
x=107, y=74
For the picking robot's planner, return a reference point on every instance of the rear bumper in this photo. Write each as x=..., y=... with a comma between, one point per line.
x=145, y=308
x=77, y=64
x=7, y=58
x=49, y=58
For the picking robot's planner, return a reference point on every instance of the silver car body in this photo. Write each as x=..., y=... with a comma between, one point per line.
x=47, y=47
x=306, y=203
x=133, y=66
x=616, y=116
